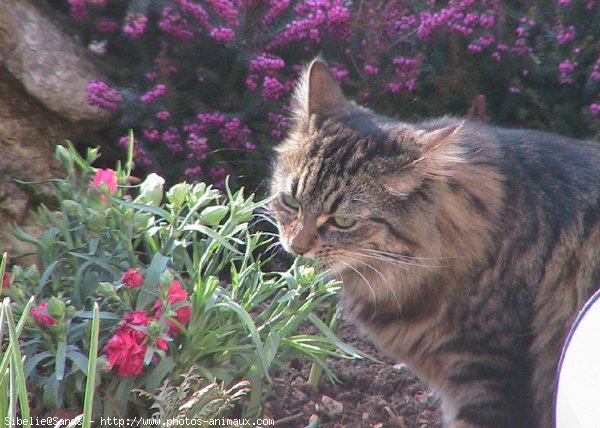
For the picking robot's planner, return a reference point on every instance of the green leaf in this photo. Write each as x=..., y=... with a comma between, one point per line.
x=90, y=385
x=214, y=235
x=148, y=292
x=61, y=356
x=17, y=365
x=79, y=359
x=251, y=327
x=31, y=363
x=323, y=328
x=147, y=208
x=164, y=368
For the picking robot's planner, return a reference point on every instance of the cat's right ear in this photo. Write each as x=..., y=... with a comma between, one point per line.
x=319, y=91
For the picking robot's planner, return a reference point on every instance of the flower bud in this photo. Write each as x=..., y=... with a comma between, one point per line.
x=154, y=329
x=306, y=275
x=151, y=190
x=31, y=273
x=107, y=289
x=178, y=193
x=56, y=307
x=96, y=221
x=64, y=157
x=165, y=280
x=212, y=216
x=72, y=208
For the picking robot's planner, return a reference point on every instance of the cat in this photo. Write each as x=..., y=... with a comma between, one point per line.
x=465, y=250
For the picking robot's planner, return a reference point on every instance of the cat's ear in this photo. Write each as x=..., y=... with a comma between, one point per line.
x=440, y=153
x=432, y=142
x=318, y=91
x=324, y=92
x=438, y=157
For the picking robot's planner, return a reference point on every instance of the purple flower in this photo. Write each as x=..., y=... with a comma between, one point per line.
x=135, y=24
x=595, y=110
x=198, y=147
x=340, y=73
x=565, y=35
x=193, y=172
x=222, y=34
x=595, y=75
x=565, y=69
x=195, y=10
x=370, y=69
x=266, y=64
x=158, y=91
x=276, y=8
x=217, y=176
x=163, y=115
x=172, y=23
x=273, y=89
x=102, y=95
x=225, y=9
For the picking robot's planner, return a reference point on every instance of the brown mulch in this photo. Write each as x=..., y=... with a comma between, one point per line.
x=369, y=395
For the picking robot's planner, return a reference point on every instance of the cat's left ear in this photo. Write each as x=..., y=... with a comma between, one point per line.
x=324, y=91
x=438, y=157
x=432, y=142
x=319, y=91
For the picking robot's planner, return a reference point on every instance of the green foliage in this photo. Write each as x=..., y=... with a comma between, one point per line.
x=178, y=283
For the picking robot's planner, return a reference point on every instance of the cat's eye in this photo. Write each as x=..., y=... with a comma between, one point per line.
x=343, y=222
x=291, y=202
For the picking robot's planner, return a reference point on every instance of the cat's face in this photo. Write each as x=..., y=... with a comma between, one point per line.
x=351, y=189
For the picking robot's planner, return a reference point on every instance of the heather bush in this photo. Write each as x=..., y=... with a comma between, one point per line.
x=206, y=84
x=181, y=285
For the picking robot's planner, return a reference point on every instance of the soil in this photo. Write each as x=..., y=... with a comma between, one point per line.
x=370, y=394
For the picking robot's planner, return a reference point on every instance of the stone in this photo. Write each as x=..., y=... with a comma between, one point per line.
x=43, y=102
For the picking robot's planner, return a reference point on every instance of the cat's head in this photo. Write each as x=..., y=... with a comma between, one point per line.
x=351, y=186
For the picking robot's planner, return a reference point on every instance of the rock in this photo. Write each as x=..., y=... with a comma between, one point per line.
x=50, y=65
x=331, y=407
x=43, y=101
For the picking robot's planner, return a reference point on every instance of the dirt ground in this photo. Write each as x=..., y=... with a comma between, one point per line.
x=370, y=395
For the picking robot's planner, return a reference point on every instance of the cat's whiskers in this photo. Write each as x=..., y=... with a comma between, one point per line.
x=274, y=246
x=403, y=259
x=398, y=260
x=365, y=280
x=389, y=287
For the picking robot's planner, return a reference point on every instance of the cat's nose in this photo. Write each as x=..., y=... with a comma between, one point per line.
x=303, y=241
x=298, y=249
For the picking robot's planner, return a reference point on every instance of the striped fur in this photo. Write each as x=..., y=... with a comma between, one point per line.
x=474, y=247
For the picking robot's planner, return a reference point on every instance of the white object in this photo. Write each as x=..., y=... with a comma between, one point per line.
x=577, y=402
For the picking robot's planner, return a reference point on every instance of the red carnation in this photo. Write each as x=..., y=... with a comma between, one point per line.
x=132, y=278
x=138, y=318
x=182, y=314
x=41, y=317
x=125, y=354
x=108, y=177
x=176, y=293
x=6, y=280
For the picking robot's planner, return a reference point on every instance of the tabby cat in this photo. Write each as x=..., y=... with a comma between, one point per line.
x=465, y=250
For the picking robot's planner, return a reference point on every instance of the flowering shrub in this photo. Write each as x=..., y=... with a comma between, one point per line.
x=179, y=283
x=209, y=82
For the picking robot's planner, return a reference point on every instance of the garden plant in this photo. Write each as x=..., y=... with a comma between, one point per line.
x=182, y=292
